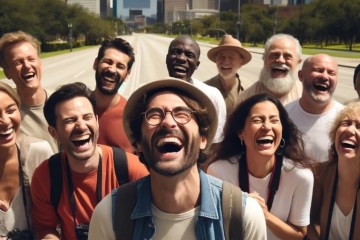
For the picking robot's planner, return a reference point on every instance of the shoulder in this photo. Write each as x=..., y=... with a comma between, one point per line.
x=213, y=81
x=294, y=173
x=337, y=106
x=222, y=166
x=209, y=90
x=292, y=106
x=254, y=224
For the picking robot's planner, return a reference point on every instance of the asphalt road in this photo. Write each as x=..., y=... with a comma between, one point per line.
x=150, y=53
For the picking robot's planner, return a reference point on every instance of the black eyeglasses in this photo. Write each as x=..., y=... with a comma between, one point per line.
x=181, y=115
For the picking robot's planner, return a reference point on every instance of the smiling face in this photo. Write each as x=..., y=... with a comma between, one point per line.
x=182, y=58
x=280, y=64
x=170, y=148
x=111, y=71
x=319, y=78
x=347, y=138
x=228, y=63
x=77, y=127
x=23, y=65
x=9, y=120
x=263, y=130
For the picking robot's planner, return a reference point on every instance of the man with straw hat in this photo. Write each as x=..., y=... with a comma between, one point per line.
x=171, y=123
x=229, y=57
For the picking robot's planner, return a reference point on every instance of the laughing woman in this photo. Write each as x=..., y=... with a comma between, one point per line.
x=335, y=210
x=19, y=155
x=262, y=152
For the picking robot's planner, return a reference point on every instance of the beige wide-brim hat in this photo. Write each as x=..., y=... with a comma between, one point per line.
x=228, y=42
x=136, y=100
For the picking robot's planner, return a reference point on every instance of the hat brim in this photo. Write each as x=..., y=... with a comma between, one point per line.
x=246, y=55
x=136, y=99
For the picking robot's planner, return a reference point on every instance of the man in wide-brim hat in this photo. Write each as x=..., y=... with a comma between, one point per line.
x=229, y=57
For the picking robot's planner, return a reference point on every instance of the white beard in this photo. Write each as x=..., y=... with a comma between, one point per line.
x=278, y=86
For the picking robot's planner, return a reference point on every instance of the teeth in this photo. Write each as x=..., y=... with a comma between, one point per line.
x=173, y=140
x=8, y=131
x=108, y=79
x=348, y=144
x=82, y=138
x=180, y=68
x=265, y=138
x=29, y=76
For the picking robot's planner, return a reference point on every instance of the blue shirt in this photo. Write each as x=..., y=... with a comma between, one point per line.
x=209, y=225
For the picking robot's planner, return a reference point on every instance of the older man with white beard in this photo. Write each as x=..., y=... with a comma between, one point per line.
x=281, y=57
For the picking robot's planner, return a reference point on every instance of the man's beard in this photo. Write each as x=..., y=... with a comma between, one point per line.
x=278, y=86
x=108, y=91
x=190, y=157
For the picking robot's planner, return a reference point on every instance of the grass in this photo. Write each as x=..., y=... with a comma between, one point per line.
x=308, y=49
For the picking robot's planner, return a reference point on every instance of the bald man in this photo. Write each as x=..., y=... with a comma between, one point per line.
x=316, y=108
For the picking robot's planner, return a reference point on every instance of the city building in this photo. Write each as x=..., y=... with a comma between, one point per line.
x=92, y=5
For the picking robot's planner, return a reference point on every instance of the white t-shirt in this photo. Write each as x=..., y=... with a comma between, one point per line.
x=175, y=226
x=315, y=129
x=340, y=224
x=292, y=201
x=215, y=96
x=101, y=221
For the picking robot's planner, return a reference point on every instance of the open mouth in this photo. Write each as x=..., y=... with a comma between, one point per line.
x=321, y=87
x=348, y=144
x=264, y=140
x=109, y=77
x=81, y=142
x=279, y=71
x=28, y=76
x=6, y=133
x=169, y=145
x=180, y=69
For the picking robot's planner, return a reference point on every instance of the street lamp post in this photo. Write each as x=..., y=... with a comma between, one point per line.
x=218, y=18
x=238, y=22
x=70, y=35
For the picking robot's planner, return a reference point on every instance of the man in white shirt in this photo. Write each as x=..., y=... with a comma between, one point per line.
x=182, y=60
x=314, y=112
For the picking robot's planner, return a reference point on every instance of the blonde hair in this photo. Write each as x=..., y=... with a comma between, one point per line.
x=11, y=38
x=9, y=91
x=351, y=110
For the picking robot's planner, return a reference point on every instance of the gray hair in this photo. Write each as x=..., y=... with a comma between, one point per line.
x=282, y=36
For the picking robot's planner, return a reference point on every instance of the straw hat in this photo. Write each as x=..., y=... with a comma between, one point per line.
x=136, y=100
x=228, y=42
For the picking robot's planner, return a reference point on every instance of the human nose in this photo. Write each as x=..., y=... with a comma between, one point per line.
x=80, y=124
x=266, y=125
x=352, y=129
x=5, y=119
x=26, y=64
x=168, y=119
x=280, y=58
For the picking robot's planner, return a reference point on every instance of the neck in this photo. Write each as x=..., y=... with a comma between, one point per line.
x=8, y=155
x=349, y=171
x=176, y=194
x=315, y=108
x=104, y=101
x=30, y=97
x=260, y=167
x=85, y=166
x=227, y=82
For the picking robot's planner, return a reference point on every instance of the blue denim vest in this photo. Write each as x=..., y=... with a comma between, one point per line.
x=209, y=225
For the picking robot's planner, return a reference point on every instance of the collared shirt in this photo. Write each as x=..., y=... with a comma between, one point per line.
x=230, y=96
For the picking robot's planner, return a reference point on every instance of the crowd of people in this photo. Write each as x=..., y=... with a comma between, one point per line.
x=182, y=158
